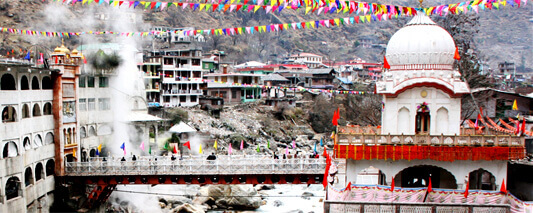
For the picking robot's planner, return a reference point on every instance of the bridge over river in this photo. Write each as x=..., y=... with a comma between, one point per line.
x=105, y=174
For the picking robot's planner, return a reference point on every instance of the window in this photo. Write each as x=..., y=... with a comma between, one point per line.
x=166, y=99
x=195, y=62
x=235, y=79
x=103, y=82
x=36, y=110
x=47, y=110
x=24, y=85
x=168, y=61
x=39, y=171
x=47, y=83
x=103, y=104
x=83, y=104
x=9, y=114
x=27, y=143
x=7, y=82
x=183, y=99
x=81, y=81
x=35, y=83
x=10, y=150
x=50, y=167
x=233, y=93
x=90, y=104
x=193, y=98
x=12, y=188
x=90, y=81
x=28, y=177
x=25, y=111
x=83, y=133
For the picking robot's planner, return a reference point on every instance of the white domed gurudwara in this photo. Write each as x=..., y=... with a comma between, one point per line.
x=421, y=90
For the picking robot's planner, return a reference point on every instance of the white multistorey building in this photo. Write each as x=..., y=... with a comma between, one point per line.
x=27, y=138
x=180, y=74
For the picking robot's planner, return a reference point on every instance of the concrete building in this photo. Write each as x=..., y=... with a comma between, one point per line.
x=309, y=59
x=234, y=87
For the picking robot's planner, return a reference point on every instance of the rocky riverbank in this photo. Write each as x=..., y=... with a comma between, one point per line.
x=217, y=198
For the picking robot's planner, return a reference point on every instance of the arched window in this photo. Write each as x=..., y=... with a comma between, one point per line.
x=25, y=111
x=49, y=138
x=28, y=177
x=38, y=141
x=9, y=114
x=12, y=188
x=481, y=179
x=35, y=83
x=39, y=172
x=83, y=133
x=47, y=109
x=27, y=143
x=50, y=167
x=418, y=176
x=69, y=136
x=7, y=82
x=47, y=83
x=36, y=110
x=24, y=83
x=10, y=150
x=422, y=119
x=92, y=131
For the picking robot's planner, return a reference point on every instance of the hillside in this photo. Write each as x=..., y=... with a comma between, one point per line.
x=504, y=35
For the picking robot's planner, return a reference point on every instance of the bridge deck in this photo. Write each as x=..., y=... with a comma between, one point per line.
x=223, y=165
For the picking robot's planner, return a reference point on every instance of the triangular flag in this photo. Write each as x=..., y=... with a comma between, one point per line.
x=74, y=153
x=215, y=146
x=430, y=188
x=287, y=150
x=149, y=150
x=97, y=152
x=523, y=128
x=268, y=144
x=188, y=144
x=315, y=148
x=385, y=63
x=503, y=189
x=175, y=150
x=515, y=106
x=142, y=146
x=321, y=143
x=200, y=151
x=348, y=187
x=456, y=56
x=242, y=145
x=123, y=147
x=229, y=149
x=293, y=144
x=258, y=150
x=392, y=185
x=28, y=56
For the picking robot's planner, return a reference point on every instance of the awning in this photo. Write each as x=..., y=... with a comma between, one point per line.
x=181, y=128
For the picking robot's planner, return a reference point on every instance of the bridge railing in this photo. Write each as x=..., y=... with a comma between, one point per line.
x=361, y=207
x=195, y=166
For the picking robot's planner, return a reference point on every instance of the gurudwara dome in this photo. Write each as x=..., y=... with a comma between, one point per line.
x=421, y=43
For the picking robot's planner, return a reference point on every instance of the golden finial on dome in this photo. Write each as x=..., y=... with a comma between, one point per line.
x=420, y=2
x=62, y=49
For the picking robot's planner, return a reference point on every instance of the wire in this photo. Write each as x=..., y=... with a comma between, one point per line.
x=185, y=195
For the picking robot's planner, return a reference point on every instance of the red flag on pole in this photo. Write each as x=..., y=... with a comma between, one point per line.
x=523, y=127
x=466, y=190
x=385, y=63
x=175, y=150
x=430, y=188
x=392, y=185
x=503, y=189
x=326, y=173
x=456, y=56
x=187, y=144
x=334, y=119
x=349, y=186
x=517, y=127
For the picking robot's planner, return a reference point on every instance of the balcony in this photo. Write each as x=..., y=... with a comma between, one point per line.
x=366, y=143
x=182, y=92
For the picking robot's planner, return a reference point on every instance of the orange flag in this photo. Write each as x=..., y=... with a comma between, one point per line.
x=456, y=56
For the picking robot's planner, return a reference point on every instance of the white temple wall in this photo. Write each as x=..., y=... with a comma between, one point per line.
x=394, y=113
x=459, y=168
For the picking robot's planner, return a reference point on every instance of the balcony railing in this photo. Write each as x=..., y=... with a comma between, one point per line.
x=442, y=140
x=223, y=165
x=180, y=92
x=361, y=207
